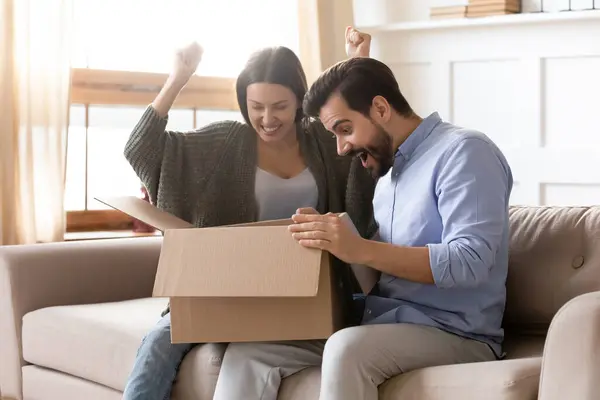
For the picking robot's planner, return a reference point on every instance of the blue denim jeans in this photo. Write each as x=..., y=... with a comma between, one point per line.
x=156, y=364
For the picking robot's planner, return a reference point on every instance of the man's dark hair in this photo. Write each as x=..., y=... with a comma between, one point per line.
x=358, y=80
x=278, y=65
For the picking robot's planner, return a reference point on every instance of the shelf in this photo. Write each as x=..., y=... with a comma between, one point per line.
x=499, y=20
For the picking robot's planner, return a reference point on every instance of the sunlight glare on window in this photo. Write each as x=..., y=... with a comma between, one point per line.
x=205, y=117
x=109, y=173
x=143, y=35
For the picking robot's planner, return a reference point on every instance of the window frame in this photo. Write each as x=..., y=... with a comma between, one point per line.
x=90, y=87
x=108, y=87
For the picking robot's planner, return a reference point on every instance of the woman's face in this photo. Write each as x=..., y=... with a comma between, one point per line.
x=272, y=110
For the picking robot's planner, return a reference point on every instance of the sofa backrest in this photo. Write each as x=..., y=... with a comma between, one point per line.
x=554, y=257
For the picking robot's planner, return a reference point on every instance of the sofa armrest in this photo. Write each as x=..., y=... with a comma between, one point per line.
x=571, y=360
x=66, y=273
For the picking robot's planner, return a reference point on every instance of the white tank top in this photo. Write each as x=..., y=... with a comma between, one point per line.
x=279, y=198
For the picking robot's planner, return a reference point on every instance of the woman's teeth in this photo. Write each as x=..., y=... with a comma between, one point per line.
x=271, y=128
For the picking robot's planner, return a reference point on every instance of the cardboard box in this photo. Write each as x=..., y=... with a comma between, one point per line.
x=248, y=282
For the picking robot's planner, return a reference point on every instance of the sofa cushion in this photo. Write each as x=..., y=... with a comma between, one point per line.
x=41, y=383
x=496, y=380
x=97, y=342
x=554, y=257
x=517, y=377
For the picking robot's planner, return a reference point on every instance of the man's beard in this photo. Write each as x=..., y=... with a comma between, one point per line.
x=381, y=151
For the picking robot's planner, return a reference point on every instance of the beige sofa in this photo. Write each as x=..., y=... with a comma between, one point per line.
x=72, y=316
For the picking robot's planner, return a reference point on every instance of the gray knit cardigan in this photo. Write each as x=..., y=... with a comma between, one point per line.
x=206, y=176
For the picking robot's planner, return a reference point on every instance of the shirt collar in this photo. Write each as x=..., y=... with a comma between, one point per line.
x=417, y=137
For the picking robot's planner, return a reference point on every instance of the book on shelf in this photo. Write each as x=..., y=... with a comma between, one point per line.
x=447, y=3
x=482, y=8
x=474, y=8
x=445, y=9
x=448, y=12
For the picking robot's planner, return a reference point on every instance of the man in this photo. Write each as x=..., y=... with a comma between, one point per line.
x=441, y=203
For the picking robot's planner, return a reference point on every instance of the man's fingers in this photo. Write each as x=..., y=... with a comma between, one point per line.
x=307, y=210
x=312, y=235
x=353, y=36
x=302, y=218
x=308, y=227
x=348, y=31
x=366, y=38
x=315, y=244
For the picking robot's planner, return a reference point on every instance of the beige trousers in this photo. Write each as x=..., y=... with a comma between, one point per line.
x=355, y=361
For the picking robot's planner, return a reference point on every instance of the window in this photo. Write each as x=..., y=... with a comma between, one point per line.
x=124, y=49
x=142, y=35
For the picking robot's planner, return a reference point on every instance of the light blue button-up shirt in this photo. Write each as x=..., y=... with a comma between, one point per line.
x=448, y=190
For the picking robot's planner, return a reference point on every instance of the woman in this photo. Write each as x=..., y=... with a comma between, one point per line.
x=229, y=172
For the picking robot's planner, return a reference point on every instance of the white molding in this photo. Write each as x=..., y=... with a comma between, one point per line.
x=548, y=41
x=498, y=20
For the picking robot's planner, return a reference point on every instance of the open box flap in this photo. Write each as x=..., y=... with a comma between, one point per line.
x=253, y=260
x=145, y=212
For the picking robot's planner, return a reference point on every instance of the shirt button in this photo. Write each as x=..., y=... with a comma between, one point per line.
x=577, y=262
x=368, y=311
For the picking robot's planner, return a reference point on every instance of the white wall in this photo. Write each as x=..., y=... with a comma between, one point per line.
x=531, y=82
x=377, y=12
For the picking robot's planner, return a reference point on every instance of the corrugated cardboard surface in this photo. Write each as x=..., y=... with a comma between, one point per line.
x=236, y=262
x=199, y=320
x=145, y=212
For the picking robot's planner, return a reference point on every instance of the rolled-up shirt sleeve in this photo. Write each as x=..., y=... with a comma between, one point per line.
x=472, y=187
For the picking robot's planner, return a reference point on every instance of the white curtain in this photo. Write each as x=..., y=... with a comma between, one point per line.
x=35, y=74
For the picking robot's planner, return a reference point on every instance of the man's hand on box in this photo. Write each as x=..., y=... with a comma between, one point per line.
x=307, y=210
x=328, y=232
x=310, y=210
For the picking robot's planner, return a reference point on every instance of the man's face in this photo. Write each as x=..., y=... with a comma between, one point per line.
x=358, y=135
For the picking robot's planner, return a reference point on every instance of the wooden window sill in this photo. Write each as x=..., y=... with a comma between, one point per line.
x=115, y=234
